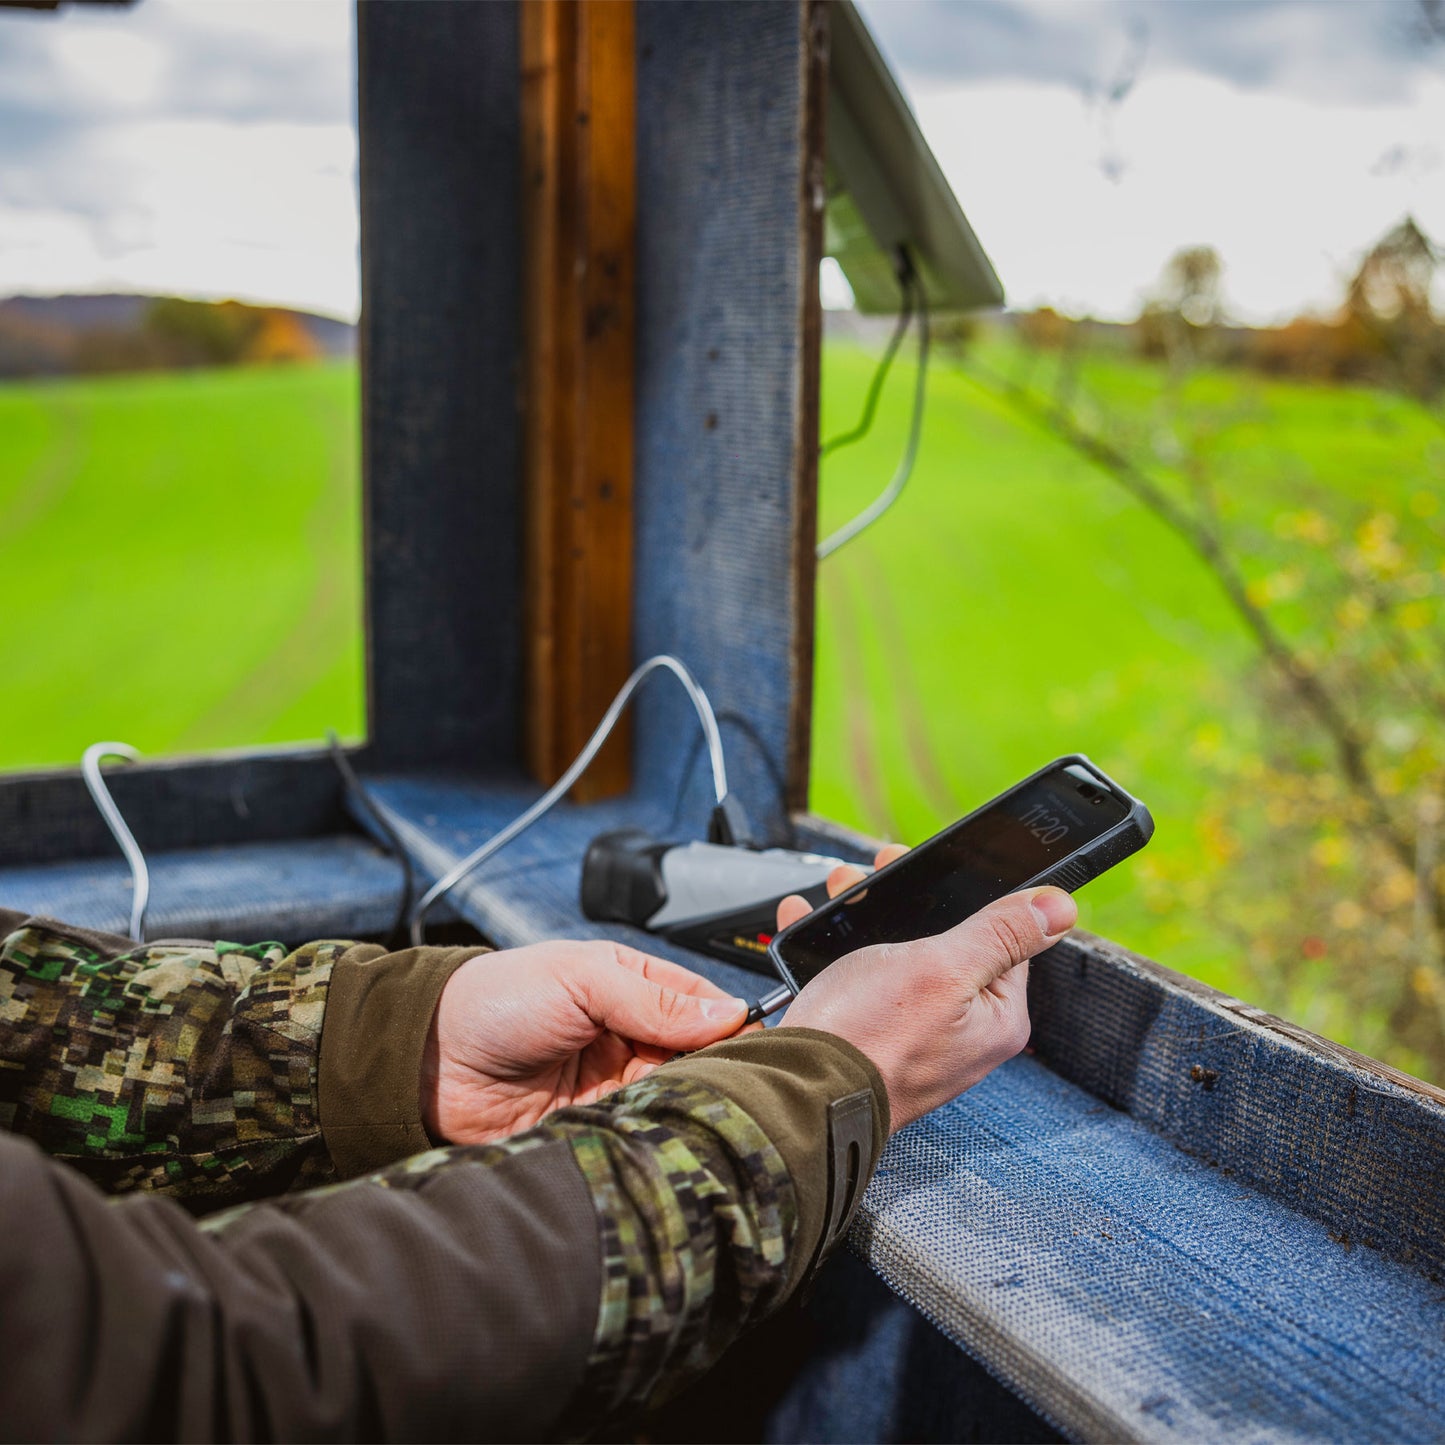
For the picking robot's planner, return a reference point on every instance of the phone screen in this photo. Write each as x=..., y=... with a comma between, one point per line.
x=979, y=859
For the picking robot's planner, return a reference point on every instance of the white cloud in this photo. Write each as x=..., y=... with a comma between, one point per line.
x=260, y=212
x=109, y=64
x=45, y=250
x=206, y=146
x=1361, y=52
x=317, y=25
x=205, y=149
x=202, y=208
x=1289, y=190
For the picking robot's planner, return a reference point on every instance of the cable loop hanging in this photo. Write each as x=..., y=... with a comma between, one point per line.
x=864, y=423
x=894, y=489
x=579, y=765
x=915, y=302
x=100, y=794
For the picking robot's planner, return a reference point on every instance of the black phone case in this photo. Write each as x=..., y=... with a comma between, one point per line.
x=1127, y=836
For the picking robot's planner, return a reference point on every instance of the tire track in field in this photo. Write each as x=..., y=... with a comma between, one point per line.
x=245, y=710
x=923, y=757
x=842, y=606
x=51, y=478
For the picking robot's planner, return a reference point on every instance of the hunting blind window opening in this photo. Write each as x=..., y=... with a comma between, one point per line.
x=180, y=499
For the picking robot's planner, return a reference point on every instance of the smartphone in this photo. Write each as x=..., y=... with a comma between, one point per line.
x=1064, y=825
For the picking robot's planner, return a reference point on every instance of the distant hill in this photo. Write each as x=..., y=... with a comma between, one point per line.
x=60, y=335
x=78, y=313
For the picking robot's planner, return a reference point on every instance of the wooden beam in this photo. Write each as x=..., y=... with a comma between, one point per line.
x=439, y=123
x=579, y=216
x=811, y=200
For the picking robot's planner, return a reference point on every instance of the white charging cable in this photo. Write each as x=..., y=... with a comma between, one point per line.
x=894, y=489
x=579, y=765
x=100, y=794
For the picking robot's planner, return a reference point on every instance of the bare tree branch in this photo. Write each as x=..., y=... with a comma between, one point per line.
x=1304, y=680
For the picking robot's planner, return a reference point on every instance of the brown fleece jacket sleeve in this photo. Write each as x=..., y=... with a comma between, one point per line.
x=528, y=1289
x=378, y=1013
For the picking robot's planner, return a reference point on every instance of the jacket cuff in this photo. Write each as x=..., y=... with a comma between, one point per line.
x=378, y=1013
x=823, y=1104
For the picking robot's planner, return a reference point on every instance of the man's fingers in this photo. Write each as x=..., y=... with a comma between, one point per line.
x=1003, y=935
x=842, y=878
x=668, y=975
x=629, y=1004
x=791, y=909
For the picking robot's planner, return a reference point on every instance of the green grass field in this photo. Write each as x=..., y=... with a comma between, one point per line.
x=181, y=561
x=1017, y=604
x=1013, y=606
x=181, y=565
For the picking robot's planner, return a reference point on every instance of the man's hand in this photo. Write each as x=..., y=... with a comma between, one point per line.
x=937, y=1014
x=519, y=1033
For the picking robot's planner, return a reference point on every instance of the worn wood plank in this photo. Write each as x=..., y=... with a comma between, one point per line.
x=580, y=203
x=1129, y=1292
x=548, y=39
x=173, y=803
x=812, y=202
x=1125, y=1287
x=339, y=886
x=1346, y=1140
x=721, y=267
x=439, y=130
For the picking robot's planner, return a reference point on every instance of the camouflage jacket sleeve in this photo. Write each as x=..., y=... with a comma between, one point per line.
x=190, y=1069
x=536, y=1288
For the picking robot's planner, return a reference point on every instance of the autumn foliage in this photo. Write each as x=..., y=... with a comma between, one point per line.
x=1384, y=331
x=88, y=335
x=178, y=333
x=1324, y=852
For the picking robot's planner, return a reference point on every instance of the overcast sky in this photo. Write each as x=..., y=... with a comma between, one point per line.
x=207, y=146
x=1089, y=139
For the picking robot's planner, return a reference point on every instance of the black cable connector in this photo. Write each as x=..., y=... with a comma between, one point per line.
x=769, y=1003
x=396, y=938
x=728, y=824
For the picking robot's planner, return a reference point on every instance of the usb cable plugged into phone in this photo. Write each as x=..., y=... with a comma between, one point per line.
x=758, y=1010
x=769, y=1004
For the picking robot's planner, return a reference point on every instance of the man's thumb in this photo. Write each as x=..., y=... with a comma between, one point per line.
x=639, y=1009
x=1010, y=930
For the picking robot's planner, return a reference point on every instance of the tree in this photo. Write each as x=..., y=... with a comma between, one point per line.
x=280, y=335
x=1192, y=285
x=1339, y=801
x=1388, y=316
x=1395, y=277
x=199, y=333
x=1186, y=303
